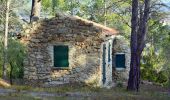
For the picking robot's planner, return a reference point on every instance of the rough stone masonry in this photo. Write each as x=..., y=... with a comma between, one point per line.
x=83, y=39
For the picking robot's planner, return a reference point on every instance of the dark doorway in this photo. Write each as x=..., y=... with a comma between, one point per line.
x=104, y=64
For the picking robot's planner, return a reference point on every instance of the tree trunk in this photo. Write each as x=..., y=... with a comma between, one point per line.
x=54, y=4
x=5, y=63
x=142, y=34
x=138, y=36
x=143, y=27
x=105, y=14
x=132, y=82
x=11, y=82
x=72, y=12
x=35, y=11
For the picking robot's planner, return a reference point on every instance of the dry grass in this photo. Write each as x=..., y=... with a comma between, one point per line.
x=3, y=83
x=147, y=92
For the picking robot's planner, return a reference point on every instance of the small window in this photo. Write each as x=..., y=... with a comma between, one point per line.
x=61, y=56
x=120, y=61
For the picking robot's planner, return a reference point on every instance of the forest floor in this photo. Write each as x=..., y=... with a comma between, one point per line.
x=147, y=92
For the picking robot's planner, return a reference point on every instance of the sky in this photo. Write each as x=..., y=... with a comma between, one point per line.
x=167, y=2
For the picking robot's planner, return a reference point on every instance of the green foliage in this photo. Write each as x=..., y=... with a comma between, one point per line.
x=16, y=50
x=16, y=54
x=51, y=6
x=155, y=60
x=46, y=3
x=119, y=84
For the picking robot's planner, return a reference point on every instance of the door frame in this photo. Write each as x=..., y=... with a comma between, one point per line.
x=106, y=69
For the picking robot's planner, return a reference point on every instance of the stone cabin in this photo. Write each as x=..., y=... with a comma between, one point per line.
x=69, y=49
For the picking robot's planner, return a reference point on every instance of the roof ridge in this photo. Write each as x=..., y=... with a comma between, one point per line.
x=105, y=29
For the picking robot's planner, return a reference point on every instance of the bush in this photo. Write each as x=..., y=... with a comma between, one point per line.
x=152, y=68
x=16, y=54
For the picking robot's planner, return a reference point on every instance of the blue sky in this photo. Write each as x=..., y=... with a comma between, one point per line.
x=166, y=0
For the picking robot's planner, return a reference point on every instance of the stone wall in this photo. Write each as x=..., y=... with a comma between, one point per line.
x=84, y=41
x=120, y=45
x=114, y=76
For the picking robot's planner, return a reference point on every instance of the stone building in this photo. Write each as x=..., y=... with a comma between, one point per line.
x=68, y=49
